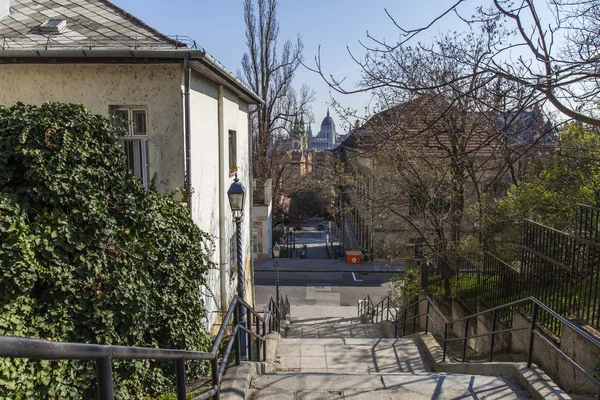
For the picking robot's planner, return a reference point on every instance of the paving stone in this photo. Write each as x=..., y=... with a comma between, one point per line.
x=313, y=362
x=312, y=350
x=289, y=350
x=287, y=363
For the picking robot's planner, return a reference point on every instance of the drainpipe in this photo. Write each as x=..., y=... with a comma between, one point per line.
x=251, y=205
x=188, y=150
x=223, y=262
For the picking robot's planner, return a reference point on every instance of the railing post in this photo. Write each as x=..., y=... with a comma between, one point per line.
x=404, y=324
x=238, y=347
x=427, y=318
x=249, y=316
x=415, y=312
x=105, y=379
x=493, y=336
x=465, y=340
x=180, y=374
x=532, y=334
x=388, y=310
x=265, y=345
x=214, y=366
x=258, y=341
x=445, y=337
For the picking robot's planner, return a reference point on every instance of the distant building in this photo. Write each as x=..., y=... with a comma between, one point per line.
x=327, y=136
x=527, y=127
x=299, y=137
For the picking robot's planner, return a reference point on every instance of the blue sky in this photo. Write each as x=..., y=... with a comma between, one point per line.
x=218, y=27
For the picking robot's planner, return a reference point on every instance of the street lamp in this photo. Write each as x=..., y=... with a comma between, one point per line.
x=236, y=194
x=276, y=251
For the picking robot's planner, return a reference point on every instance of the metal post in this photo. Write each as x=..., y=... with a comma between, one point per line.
x=105, y=379
x=214, y=367
x=427, y=318
x=277, y=286
x=445, y=337
x=388, y=310
x=265, y=344
x=238, y=347
x=404, y=323
x=180, y=375
x=241, y=289
x=465, y=340
x=250, y=338
x=493, y=336
x=532, y=334
x=258, y=341
x=415, y=311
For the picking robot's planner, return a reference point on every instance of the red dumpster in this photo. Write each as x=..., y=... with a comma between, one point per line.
x=353, y=257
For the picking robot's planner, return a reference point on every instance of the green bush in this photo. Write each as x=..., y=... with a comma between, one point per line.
x=87, y=255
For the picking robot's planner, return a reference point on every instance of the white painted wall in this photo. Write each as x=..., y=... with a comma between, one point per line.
x=159, y=87
x=97, y=87
x=205, y=175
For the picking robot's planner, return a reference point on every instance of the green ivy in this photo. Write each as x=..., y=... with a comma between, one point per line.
x=87, y=255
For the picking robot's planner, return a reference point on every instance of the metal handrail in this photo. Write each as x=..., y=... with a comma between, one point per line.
x=533, y=328
x=18, y=347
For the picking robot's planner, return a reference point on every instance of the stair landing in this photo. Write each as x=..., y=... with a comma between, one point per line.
x=348, y=355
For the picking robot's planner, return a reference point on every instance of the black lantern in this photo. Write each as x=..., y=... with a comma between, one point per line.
x=236, y=194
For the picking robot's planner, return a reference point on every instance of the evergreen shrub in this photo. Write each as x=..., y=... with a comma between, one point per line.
x=87, y=255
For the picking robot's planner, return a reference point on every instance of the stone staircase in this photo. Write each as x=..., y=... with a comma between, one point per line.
x=341, y=358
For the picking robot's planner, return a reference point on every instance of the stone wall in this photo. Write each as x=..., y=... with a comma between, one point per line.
x=574, y=345
x=502, y=341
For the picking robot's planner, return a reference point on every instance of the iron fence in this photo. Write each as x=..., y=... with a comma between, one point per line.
x=563, y=270
x=559, y=268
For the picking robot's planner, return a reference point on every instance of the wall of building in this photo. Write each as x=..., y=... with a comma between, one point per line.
x=159, y=88
x=204, y=100
x=99, y=86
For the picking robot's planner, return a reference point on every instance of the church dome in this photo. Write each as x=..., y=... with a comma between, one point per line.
x=327, y=127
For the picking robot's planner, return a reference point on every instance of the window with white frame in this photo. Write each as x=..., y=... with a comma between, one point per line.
x=132, y=123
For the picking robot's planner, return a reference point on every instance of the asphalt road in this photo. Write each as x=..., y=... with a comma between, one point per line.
x=319, y=283
x=322, y=288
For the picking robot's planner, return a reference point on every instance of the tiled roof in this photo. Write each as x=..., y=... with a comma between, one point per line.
x=91, y=24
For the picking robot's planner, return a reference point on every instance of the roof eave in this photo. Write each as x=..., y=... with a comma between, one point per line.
x=9, y=56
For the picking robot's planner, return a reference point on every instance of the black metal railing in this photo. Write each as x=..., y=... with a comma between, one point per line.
x=366, y=307
x=535, y=331
x=103, y=355
x=563, y=271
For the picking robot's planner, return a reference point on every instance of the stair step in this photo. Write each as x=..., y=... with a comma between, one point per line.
x=333, y=330
x=384, y=386
x=355, y=355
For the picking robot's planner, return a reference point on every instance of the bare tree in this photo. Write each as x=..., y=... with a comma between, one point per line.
x=548, y=49
x=270, y=75
x=440, y=146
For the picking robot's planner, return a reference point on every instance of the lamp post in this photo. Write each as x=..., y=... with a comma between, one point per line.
x=236, y=194
x=276, y=251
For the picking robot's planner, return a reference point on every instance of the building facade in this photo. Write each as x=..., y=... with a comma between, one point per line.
x=327, y=136
x=185, y=118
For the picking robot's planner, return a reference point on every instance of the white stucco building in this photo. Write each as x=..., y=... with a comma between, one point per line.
x=189, y=114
